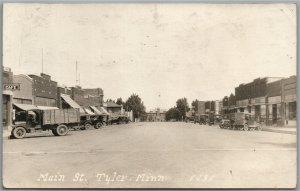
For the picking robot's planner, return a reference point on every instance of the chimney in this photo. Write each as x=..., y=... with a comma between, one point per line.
x=46, y=76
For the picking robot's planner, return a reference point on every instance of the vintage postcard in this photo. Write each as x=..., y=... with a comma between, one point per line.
x=149, y=95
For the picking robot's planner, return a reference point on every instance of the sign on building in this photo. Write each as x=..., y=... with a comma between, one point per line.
x=11, y=87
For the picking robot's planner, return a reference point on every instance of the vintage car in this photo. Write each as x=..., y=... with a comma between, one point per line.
x=225, y=124
x=245, y=121
x=203, y=119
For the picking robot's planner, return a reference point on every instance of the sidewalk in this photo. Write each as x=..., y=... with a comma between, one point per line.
x=285, y=130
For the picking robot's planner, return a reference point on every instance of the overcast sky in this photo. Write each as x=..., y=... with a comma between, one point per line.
x=198, y=51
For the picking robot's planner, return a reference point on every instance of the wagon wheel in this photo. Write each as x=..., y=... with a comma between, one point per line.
x=245, y=128
x=98, y=125
x=19, y=132
x=87, y=126
x=62, y=130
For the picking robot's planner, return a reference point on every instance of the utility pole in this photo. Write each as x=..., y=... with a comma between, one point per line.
x=76, y=75
x=42, y=60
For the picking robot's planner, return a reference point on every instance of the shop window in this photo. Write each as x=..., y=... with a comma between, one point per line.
x=292, y=110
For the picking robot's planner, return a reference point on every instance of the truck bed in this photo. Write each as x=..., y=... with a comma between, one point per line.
x=58, y=116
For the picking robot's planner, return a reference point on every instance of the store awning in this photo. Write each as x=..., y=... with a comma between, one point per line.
x=96, y=110
x=88, y=111
x=103, y=110
x=46, y=107
x=72, y=103
x=25, y=107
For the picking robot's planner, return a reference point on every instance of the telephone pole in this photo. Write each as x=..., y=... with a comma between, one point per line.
x=42, y=60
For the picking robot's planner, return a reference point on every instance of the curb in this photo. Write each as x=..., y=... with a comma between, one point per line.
x=280, y=131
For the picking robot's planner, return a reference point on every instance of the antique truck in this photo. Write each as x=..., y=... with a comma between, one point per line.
x=87, y=121
x=245, y=121
x=189, y=117
x=31, y=119
x=225, y=124
x=202, y=119
x=119, y=119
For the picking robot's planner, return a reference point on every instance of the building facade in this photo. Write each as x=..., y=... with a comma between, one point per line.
x=253, y=98
x=7, y=98
x=44, y=90
x=93, y=97
x=25, y=94
x=113, y=108
x=156, y=115
x=289, y=97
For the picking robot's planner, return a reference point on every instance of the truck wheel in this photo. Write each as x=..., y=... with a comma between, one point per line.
x=259, y=128
x=98, y=125
x=19, y=132
x=62, y=130
x=87, y=126
x=77, y=128
x=54, y=132
x=245, y=128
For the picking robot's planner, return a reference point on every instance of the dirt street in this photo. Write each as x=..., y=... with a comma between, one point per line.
x=154, y=155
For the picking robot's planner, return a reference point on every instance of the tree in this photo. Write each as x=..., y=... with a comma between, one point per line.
x=173, y=113
x=183, y=107
x=110, y=100
x=120, y=102
x=134, y=103
x=195, y=104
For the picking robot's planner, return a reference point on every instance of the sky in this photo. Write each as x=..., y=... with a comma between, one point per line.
x=197, y=51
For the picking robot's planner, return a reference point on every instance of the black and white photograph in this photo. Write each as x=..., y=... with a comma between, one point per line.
x=149, y=95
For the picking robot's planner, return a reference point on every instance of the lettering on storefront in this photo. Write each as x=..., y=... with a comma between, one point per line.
x=259, y=100
x=11, y=87
x=275, y=99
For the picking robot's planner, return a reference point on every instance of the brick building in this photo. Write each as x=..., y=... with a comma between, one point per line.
x=93, y=97
x=252, y=97
x=289, y=98
x=7, y=97
x=156, y=115
x=44, y=90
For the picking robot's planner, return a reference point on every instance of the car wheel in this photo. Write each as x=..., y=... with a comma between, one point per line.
x=87, y=126
x=98, y=125
x=19, y=132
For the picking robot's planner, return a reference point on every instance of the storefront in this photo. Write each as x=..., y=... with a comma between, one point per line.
x=259, y=109
x=274, y=110
x=7, y=108
x=290, y=100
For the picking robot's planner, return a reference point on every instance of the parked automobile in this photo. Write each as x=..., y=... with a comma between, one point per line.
x=31, y=119
x=225, y=124
x=245, y=121
x=120, y=119
x=88, y=121
x=203, y=119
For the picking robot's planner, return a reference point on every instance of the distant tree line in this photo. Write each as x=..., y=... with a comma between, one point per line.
x=134, y=103
x=178, y=112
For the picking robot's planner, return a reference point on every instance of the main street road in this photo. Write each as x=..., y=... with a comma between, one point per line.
x=152, y=155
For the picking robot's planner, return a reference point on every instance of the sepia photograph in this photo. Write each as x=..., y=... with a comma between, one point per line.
x=149, y=95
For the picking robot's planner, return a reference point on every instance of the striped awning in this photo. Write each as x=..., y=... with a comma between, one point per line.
x=96, y=110
x=89, y=111
x=46, y=107
x=71, y=102
x=104, y=111
x=25, y=107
